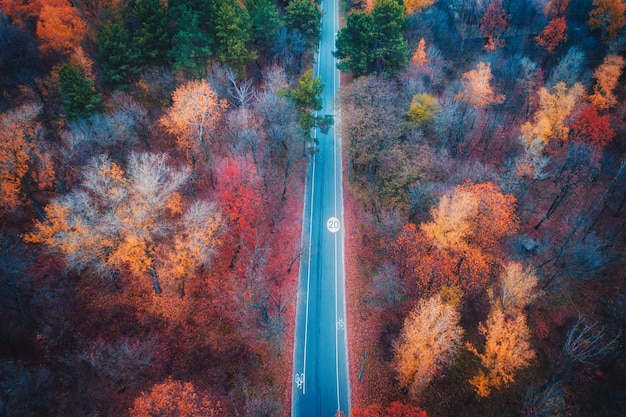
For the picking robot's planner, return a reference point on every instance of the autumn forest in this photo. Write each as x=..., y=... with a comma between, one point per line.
x=153, y=156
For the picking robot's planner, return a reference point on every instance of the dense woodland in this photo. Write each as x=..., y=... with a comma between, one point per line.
x=152, y=158
x=484, y=150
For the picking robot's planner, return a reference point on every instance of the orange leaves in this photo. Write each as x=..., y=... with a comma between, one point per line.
x=417, y=6
x=175, y=398
x=507, y=350
x=429, y=342
x=607, y=77
x=477, y=89
x=20, y=157
x=60, y=28
x=395, y=409
x=608, y=15
x=195, y=110
x=460, y=245
x=553, y=35
x=419, y=58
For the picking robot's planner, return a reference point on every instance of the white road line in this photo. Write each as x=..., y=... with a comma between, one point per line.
x=308, y=279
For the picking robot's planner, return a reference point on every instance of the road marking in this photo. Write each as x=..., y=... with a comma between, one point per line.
x=300, y=381
x=308, y=279
x=333, y=224
x=341, y=325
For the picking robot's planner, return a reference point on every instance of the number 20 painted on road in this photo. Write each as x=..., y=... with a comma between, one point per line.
x=333, y=225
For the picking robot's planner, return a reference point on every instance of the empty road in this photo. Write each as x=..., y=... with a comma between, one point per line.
x=320, y=382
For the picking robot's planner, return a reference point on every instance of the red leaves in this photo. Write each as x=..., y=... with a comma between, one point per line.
x=395, y=409
x=591, y=127
x=553, y=35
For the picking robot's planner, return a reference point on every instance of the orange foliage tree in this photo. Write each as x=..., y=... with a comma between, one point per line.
x=22, y=162
x=195, y=111
x=608, y=15
x=429, y=342
x=173, y=398
x=476, y=87
x=607, y=77
x=460, y=245
x=416, y=6
x=395, y=409
x=553, y=35
x=507, y=350
x=60, y=28
x=120, y=220
x=493, y=23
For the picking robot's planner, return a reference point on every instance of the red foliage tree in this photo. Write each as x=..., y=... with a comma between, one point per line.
x=493, y=23
x=592, y=127
x=553, y=35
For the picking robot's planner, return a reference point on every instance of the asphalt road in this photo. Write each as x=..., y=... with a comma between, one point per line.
x=320, y=382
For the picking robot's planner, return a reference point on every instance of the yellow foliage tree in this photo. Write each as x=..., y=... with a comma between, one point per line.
x=477, y=89
x=507, y=350
x=429, y=342
x=413, y=6
x=516, y=287
x=423, y=108
x=607, y=76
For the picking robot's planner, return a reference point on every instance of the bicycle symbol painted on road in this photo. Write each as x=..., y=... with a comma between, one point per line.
x=300, y=381
x=340, y=324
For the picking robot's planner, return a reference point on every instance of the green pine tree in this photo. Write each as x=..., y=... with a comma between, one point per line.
x=190, y=45
x=305, y=16
x=78, y=97
x=374, y=43
x=233, y=35
x=265, y=22
x=114, y=54
x=152, y=39
x=308, y=99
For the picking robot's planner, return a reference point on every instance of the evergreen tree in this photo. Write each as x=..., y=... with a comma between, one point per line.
x=374, y=43
x=265, y=22
x=114, y=54
x=305, y=16
x=78, y=97
x=307, y=97
x=151, y=40
x=232, y=35
x=190, y=50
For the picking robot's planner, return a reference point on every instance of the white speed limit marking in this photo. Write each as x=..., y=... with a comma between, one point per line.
x=332, y=224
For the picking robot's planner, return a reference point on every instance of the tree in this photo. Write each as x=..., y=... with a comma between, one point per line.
x=417, y=6
x=60, y=28
x=23, y=164
x=195, y=110
x=308, y=99
x=553, y=35
x=78, y=96
x=459, y=246
x=507, y=350
x=175, y=398
x=429, y=342
x=607, y=76
x=374, y=43
x=123, y=221
x=609, y=16
x=305, y=17
x=476, y=87
x=266, y=22
x=151, y=39
x=114, y=52
x=493, y=23
x=515, y=289
x=233, y=35
x=591, y=127
x=190, y=51
x=423, y=108
x=395, y=409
